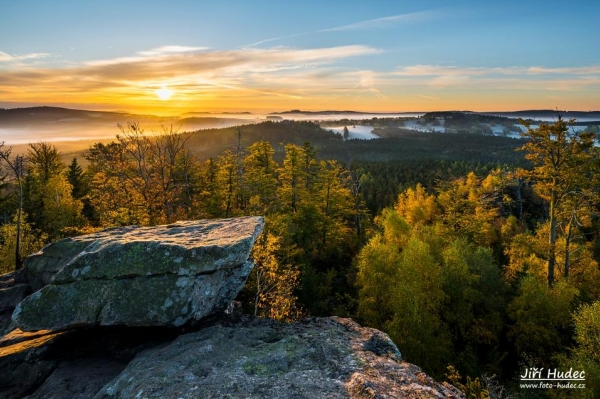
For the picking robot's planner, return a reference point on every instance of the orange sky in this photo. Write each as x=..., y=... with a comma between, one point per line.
x=268, y=80
x=366, y=56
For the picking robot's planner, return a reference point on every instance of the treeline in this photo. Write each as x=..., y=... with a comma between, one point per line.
x=464, y=121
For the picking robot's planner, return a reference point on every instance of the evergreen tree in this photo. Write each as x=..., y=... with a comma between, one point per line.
x=565, y=171
x=76, y=177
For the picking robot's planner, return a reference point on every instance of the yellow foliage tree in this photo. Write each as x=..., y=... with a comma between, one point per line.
x=274, y=283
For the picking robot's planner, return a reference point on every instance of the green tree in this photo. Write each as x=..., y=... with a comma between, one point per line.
x=228, y=180
x=76, y=177
x=564, y=165
x=44, y=160
x=44, y=165
x=401, y=292
x=16, y=166
x=586, y=354
x=292, y=177
x=261, y=178
x=210, y=194
x=61, y=210
x=542, y=319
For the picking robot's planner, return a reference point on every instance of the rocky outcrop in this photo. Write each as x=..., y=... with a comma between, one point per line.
x=138, y=276
x=144, y=310
x=258, y=358
x=225, y=357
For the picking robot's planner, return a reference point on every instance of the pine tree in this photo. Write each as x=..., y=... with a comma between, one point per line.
x=565, y=166
x=76, y=177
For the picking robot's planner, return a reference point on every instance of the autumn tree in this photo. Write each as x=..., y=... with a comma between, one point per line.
x=428, y=282
x=273, y=281
x=28, y=241
x=141, y=179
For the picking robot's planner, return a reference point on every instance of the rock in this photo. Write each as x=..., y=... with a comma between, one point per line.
x=66, y=380
x=13, y=289
x=11, y=296
x=223, y=356
x=139, y=276
x=259, y=358
x=71, y=364
x=23, y=363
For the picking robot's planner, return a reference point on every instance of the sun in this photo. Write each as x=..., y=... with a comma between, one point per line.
x=164, y=93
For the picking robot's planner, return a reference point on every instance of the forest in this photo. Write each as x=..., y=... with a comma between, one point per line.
x=478, y=255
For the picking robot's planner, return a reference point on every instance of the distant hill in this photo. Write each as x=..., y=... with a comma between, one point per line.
x=19, y=117
x=548, y=115
x=330, y=112
x=19, y=125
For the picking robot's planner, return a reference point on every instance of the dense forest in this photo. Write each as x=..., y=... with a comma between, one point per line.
x=477, y=254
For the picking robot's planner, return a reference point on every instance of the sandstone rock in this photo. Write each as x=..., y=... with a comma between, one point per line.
x=222, y=356
x=258, y=358
x=139, y=276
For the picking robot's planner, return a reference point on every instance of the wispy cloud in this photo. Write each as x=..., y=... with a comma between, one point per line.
x=194, y=72
x=170, y=50
x=5, y=57
x=271, y=77
x=502, y=78
x=388, y=22
x=588, y=70
x=377, y=23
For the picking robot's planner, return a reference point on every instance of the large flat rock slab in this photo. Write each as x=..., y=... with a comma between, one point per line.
x=139, y=276
x=260, y=358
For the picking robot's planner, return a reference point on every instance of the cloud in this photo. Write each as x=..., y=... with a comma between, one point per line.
x=272, y=77
x=219, y=62
x=193, y=71
x=387, y=22
x=170, y=50
x=499, y=78
x=587, y=70
x=5, y=57
x=377, y=23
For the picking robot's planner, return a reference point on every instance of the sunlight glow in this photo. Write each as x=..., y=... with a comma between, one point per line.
x=164, y=93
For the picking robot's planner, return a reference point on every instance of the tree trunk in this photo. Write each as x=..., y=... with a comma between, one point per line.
x=552, y=241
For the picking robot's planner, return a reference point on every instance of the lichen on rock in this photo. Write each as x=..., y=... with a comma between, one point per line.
x=261, y=358
x=139, y=276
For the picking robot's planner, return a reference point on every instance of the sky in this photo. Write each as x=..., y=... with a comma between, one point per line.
x=171, y=57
